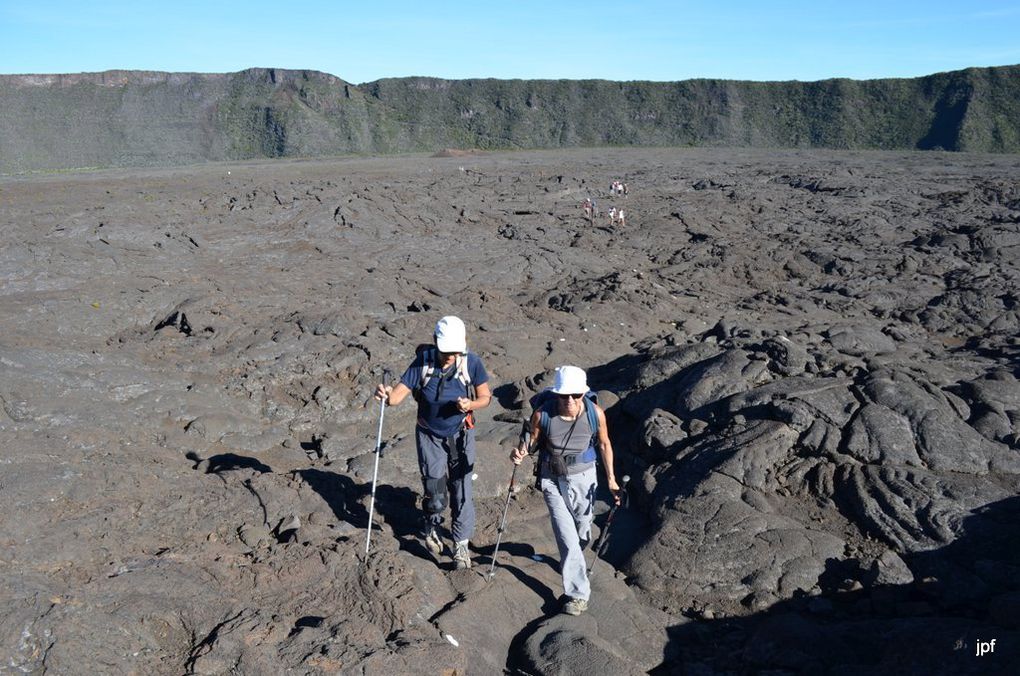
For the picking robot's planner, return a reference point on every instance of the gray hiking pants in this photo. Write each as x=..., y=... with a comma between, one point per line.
x=571, y=503
x=446, y=465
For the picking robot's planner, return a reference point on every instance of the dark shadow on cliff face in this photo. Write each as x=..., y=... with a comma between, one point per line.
x=964, y=596
x=947, y=123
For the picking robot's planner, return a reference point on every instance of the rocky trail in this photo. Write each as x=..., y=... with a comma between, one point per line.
x=809, y=361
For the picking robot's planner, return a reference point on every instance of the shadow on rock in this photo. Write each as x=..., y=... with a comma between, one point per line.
x=341, y=494
x=507, y=395
x=225, y=462
x=398, y=507
x=618, y=375
x=1005, y=354
x=965, y=596
x=550, y=602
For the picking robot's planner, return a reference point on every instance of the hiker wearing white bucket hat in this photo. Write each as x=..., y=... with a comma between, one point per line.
x=449, y=383
x=570, y=380
x=569, y=429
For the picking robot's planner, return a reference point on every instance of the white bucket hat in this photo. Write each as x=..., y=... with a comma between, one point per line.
x=570, y=380
x=451, y=335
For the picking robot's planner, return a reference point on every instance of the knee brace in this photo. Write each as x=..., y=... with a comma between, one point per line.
x=436, y=495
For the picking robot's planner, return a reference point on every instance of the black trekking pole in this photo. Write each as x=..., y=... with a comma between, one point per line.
x=604, y=537
x=375, y=472
x=502, y=523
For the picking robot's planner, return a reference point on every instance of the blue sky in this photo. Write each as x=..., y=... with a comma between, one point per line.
x=649, y=40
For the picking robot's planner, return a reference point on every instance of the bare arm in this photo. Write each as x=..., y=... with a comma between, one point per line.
x=483, y=395
x=392, y=394
x=536, y=436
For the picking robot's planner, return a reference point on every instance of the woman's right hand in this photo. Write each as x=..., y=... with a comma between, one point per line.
x=382, y=392
x=518, y=454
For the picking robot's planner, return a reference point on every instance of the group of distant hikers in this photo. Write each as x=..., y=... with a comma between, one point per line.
x=567, y=430
x=590, y=207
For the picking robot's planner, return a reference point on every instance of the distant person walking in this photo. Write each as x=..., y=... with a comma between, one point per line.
x=566, y=432
x=449, y=383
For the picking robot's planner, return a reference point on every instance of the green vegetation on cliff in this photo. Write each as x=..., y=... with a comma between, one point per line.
x=133, y=118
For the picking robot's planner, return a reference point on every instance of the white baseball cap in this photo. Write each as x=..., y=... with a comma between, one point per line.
x=570, y=380
x=451, y=335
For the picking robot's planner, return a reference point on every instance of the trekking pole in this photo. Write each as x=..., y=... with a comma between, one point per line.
x=502, y=523
x=604, y=537
x=375, y=472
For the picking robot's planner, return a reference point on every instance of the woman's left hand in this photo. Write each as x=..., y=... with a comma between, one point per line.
x=614, y=488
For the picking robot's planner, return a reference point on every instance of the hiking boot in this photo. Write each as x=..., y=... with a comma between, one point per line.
x=575, y=606
x=462, y=556
x=433, y=542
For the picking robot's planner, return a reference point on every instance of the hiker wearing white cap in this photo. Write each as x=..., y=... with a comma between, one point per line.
x=449, y=383
x=567, y=429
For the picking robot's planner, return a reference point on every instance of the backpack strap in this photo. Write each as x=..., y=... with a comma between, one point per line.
x=593, y=419
x=428, y=366
x=544, y=422
x=464, y=375
x=590, y=453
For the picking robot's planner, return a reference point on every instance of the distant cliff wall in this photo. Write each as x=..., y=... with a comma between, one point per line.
x=136, y=118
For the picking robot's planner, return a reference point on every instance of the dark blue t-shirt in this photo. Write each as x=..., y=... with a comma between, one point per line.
x=437, y=403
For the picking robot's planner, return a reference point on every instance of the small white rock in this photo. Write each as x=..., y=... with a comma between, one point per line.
x=452, y=641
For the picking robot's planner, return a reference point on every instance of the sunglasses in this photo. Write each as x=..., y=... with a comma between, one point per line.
x=569, y=396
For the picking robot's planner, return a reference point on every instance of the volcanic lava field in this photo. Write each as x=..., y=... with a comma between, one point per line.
x=808, y=360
